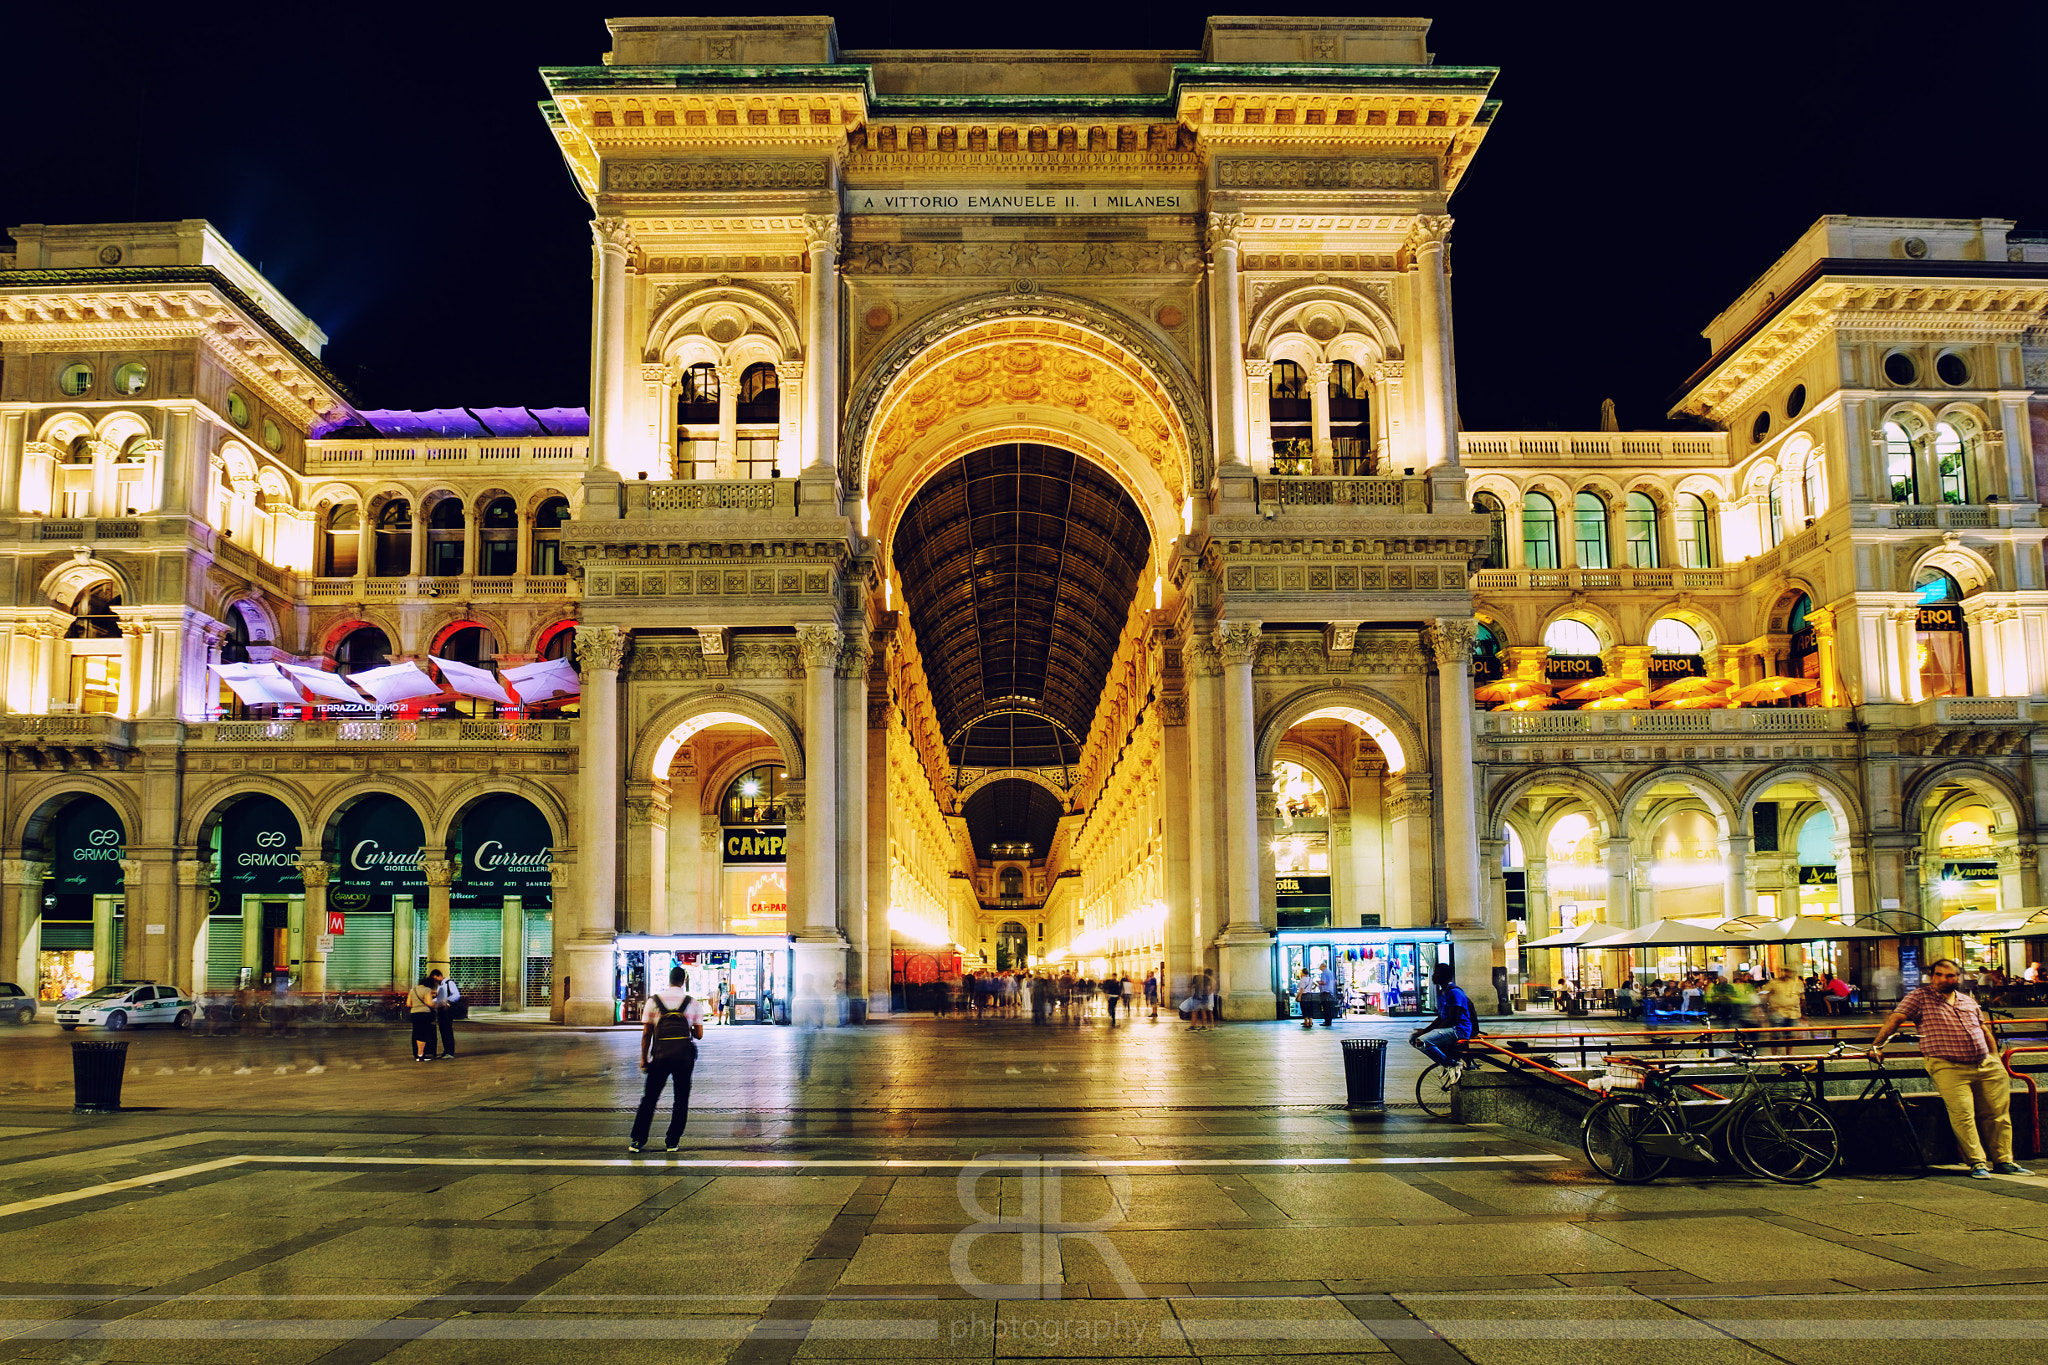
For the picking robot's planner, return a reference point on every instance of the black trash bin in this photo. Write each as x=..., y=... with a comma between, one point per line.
x=96, y=1071
x=1365, y=1073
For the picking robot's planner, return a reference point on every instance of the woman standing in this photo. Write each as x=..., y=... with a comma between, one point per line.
x=419, y=1007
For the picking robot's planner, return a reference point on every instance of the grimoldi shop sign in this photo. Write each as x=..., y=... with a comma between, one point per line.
x=259, y=850
x=756, y=844
x=89, y=843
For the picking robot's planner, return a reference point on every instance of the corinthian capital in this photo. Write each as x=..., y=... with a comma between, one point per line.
x=315, y=871
x=437, y=871
x=1450, y=639
x=613, y=234
x=602, y=647
x=1427, y=231
x=822, y=230
x=818, y=645
x=1238, y=641
x=1225, y=228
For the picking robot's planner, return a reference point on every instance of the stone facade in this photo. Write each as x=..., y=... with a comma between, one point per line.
x=821, y=277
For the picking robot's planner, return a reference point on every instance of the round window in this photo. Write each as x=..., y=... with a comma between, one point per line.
x=1795, y=402
x=1760, y=428
x=238, y=409
x=75, y=379
x=1953, y=369
x=131, y=378
x=273, y=435
x=1900, y=369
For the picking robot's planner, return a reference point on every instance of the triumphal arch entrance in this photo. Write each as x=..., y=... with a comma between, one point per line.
x=1024, y=529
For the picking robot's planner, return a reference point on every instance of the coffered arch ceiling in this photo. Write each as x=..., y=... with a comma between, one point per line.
x=1019, y=564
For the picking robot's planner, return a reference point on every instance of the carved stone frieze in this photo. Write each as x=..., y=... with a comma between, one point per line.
x=1006, y=260
x=1325, y=173
x=776, y=173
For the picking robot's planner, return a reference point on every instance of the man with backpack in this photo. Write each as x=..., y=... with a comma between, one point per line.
x=1456, y=1019
x=668, y=1049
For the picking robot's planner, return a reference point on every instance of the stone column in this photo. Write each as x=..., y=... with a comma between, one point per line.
x=1620, y=897
x=512, y=955
x=416, y=545
x=601, y=651
x=683, y=896
x=1319, y=414
x=820, y=943
x=1735, y=851
x=1209, y=901
x=821, y=353
x=13, y=448
x=561, y=900
x=1433, y=341
x=21, y=918
x=728, y=421
x=1226, y=339
x=440, y=875
x=851, y=689
x=1176, y=772
x=880, y=809
x=610, y=437
x=1473, y=932
x=1832, y=693
x=314, y=869
x=1245, y=945
x=646, y=901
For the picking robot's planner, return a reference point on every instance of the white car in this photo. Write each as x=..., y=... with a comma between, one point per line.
x=119, y=1007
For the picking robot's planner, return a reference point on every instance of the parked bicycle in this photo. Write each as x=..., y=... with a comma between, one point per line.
x=1642, y=1126
x=1879, y=1102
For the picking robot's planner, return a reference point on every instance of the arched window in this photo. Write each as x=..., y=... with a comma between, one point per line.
x=547, y=538
x=444, y=538
x=1671, y=636
x=477, y=647
x=235, y=649
x=755, y=797
x=561, y=645
x=1010, y=884
x=1816, y=487
x=1898, y=464
x=93, y=616
x=1639, y=520
x=394, y=540
x=96, y=651
x=1489, y=506
x=760, y=396
x=1776, y=503
x=342, y=542
x=697, y=423
x=498, y=554
x=1940, y=644
x=1695, y=532
x=1291, y=412
x=1539, y=531
x=1952, y=463
x=1589, y=531
x=362, y=649
x=1351, y=420
x=1566, y=636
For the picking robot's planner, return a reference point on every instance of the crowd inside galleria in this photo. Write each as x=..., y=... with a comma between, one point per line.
x=1021, y=519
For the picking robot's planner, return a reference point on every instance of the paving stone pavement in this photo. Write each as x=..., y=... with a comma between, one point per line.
x=925, y=1191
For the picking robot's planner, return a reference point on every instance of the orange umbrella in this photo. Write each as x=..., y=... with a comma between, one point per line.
x=1537, y=703
x=1617, y=704
x=1705, y=703
x=1511, y=689
x=1772, y=689
x=1690, y=687
x=1594, y=688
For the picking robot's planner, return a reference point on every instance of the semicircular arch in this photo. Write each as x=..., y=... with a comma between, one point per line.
x=1588, y=789
x=655, y=747
x=1839, y=797
x=1393, y=723
x=1698, y=783
x=206, y=811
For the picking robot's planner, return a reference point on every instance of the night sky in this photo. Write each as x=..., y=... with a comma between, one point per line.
x=387, y=167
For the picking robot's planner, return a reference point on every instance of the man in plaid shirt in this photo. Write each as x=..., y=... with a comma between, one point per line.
x=1961, y=1056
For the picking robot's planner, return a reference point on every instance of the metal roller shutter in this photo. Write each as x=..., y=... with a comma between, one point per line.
x=540, y=957
x=361, y=959
x=475, y=933
x=120, y=933
x=66, y=935
x=223, y=952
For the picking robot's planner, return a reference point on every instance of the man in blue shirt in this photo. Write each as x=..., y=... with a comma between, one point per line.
x=1456, y=1019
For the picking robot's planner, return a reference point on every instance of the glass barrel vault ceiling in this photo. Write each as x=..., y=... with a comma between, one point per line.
x=1018, y=565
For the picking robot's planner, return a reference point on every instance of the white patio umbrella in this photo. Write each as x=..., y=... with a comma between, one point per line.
x=258, y=684
x=544, y=681
x=395, y=683
x=472, y=681
x=321, y=683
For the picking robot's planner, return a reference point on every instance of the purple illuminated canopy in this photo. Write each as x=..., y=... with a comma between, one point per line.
x=456, y=423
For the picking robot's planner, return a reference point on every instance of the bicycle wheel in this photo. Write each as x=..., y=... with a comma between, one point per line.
x=1613, y=1129
x=1435, y=1088
x=1790, y=1141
